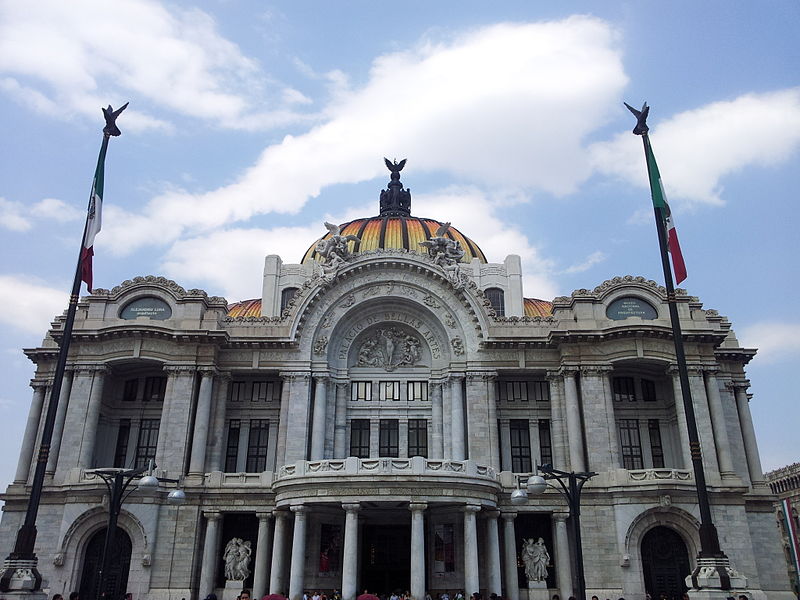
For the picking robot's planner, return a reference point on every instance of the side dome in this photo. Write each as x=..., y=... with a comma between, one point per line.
x=395, y=233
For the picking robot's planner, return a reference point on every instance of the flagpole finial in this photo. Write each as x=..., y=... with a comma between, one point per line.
x=111, y=120
x=641, y=118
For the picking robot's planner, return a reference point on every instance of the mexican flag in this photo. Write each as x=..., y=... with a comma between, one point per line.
x=660, y=201
x=93, y=219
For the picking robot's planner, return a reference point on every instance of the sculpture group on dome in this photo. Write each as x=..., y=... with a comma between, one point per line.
x=445, y=252
x=334, y=249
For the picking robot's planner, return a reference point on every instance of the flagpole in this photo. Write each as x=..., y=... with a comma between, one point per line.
x=710, y=554
x=20, y=572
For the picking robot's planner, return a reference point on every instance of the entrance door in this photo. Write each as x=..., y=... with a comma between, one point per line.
x=117, y=577
x=386, y=558
x=665, y=561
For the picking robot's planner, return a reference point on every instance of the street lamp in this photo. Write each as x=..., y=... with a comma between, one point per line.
x=118, y=482
x=571, y=484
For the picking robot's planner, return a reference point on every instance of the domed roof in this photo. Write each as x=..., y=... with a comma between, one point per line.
x=396, y=232
x=394, y=228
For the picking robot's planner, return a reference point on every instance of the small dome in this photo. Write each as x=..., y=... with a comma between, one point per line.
x=538, y=308
x=394, y=233
x=245, y=308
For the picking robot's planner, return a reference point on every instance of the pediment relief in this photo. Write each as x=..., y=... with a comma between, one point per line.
x=389, y=348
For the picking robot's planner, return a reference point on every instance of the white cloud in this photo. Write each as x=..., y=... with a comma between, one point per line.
x=58, y=210
x=775, y=340
x=15, y=216
x=591, y=260
x=504, y=105
x=29, y=306
x=12, y=216
x=66, y=58
x=697, y=148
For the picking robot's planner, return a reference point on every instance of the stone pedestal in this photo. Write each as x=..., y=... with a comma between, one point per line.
x=537, y=590
x=706, y=581
x=233, y=589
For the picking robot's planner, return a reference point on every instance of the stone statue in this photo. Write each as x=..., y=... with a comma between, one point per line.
x=237, y=559
x=446, y=253
x=536, y=558
x=334, y=249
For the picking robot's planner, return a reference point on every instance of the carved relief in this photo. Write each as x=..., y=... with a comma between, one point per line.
x=458, y=346
x=389, y=348
x=348, y=301
x=320, y=345
x=430, y=301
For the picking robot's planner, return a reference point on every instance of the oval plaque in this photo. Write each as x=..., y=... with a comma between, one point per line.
x=149, y=306
x=630, y=306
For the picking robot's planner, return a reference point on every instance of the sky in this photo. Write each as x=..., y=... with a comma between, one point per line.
x=251, y=123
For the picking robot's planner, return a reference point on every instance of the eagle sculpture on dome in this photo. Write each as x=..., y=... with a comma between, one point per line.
x=395, y=167
x=334, y=249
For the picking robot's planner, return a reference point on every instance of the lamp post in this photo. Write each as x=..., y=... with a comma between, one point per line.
x=118, y=482
x=571, y=484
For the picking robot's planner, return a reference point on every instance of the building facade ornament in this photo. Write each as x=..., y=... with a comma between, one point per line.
x=389, y=348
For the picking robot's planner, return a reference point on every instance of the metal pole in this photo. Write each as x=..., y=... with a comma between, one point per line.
x=114, y=508
x=574, y=499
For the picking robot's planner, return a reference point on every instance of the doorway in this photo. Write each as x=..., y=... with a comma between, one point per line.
x=665, y=562
x=386, y=558
x=119, y=566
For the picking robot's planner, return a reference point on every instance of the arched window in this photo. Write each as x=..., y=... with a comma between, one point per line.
x=286, y=296
x=497, y=297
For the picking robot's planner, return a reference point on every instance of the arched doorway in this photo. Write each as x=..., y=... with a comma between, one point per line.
x=117, y=577
x=665, y=562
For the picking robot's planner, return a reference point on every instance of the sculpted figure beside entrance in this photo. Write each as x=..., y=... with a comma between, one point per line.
x=237, y=559
x=536, y=558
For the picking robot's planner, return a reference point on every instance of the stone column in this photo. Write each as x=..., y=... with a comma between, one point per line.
x=574, y=429
x=471, y=566
x=283, y=419
x=216, y=455
x=89, y=441
x=457, y=419
x=350, y=552
x=298, y=565
x=613, y=435
x=296, y=418
x=492, y=554
x=437, y=422
x=680, y=414
x=340, y=446
x=31, y=429
x=558, y=436
x=494, y=437
x=510, y=556
x=482, y=443
x=277, y=583
x=318, y=429
x=563, y=562
x=75, y=419
x=417, y=549
x=704, y=428
x=263, y=555
x=748, y=434
x=208, y=570
x=175, y=416
x=718, y=425
x=202, y=423
x=598, y=419
x=58, y=427
x=505, y=444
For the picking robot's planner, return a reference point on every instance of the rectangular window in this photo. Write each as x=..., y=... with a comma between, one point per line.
x=624, y=390
x=130, y=390
x=154, y=388
x=389, y=438
x=257, y=446
x=260, y=390
x=147, y=442
x=417, y=390
x=631, y=444
x=390, y=390
x=520, y=446
x=648, y=390
x=656, y=448
x=514, y=391
x=539, y=390
x=361, y=391
x=232, y=447
x=240, y=391
x=359, y=438
x=418, y=437
x=545, y=445
x=444, y=549
x=121, y=450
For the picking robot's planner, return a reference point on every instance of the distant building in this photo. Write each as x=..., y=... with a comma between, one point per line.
x=364, y=423
x=785, y=483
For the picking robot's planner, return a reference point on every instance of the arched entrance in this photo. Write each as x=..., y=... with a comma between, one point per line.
x=117, y=577
x=665, y=562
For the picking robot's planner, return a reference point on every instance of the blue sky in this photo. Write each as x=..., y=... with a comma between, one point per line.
x=251, y=123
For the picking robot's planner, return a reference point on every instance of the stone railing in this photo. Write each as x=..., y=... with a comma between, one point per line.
x=416, y=465
x=220, y=479
x=660, y=475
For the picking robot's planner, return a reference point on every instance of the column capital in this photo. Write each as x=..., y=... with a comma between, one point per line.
x=212, y=515
x=560, y=517
x=264, y=516
x=37, y=384
x=491, y=514
x=554, y=375
x=738, y=384
x=342, y=384
x=176, y=370
x=321, y=377
x=280, y=515
x=471, y=508
x=207, y=371
x=712, y=370
x=292, y=375
x=417, y=506
x=299, y=509
x=596, y=370
x=351, y=507
x=224, y=375
x=508, y=515
x=568, y=371
x=90, y=368
x=456, y=377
